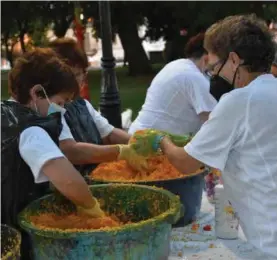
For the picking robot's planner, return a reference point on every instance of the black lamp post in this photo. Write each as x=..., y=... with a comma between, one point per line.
x=110, y=106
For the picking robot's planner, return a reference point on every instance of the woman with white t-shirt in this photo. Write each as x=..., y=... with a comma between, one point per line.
x=178, y=101
x=240, y=136
x=88, y=128
x=31, y=128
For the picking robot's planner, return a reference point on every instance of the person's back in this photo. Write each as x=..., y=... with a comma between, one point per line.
x=173, y=100
x=178, y=100
x=256, y=147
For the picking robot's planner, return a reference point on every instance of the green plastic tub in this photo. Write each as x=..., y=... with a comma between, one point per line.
x=154, y=210
x=10, y=243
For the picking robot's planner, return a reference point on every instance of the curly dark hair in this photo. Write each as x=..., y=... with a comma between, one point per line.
x=70, y=52
x=246, y=35
x=41, y=66
x=195, y=46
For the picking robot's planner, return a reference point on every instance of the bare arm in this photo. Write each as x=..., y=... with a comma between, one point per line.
x=178, y=157
x=204, y=116
x=84, y=153
x=68, y=181
x=117, y=136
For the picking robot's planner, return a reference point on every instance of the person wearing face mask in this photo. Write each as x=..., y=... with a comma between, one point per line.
x=218, y=84
x=30, y=133
x=178, y=100
x=89, y=129
x=240, y=136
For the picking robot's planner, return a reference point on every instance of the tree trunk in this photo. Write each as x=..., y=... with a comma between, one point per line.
x=61, y=27
x=174, y=48
x=21, y=38
x=9, y=53
x=22, y=30
x=138, y=62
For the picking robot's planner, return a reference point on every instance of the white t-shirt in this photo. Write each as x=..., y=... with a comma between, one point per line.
x=177, y=95
x=65, y=133
x=240, y=139
x=37, y=148
x=101, y=122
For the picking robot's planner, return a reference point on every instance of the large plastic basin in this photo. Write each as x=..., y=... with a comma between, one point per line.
x=10, y=243
x=189, y=188
x=154, y=210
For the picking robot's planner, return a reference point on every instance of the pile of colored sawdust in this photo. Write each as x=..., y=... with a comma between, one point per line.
x=73, y=221
x=159, y=168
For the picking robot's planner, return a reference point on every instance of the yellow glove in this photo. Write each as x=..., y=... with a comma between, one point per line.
x=95, y=211
x=136, y=161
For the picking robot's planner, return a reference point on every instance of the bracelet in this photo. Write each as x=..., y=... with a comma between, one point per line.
x=157, y=143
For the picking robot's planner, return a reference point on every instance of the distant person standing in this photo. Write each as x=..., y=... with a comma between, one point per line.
x=178, y=100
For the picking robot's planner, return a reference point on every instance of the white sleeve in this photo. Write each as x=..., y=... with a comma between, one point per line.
x=102, y=123
x=65, y=133
x=36, y=148
x=198, y=94
x=218, y=135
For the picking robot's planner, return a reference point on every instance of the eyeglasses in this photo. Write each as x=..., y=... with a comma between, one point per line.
x=210, y=69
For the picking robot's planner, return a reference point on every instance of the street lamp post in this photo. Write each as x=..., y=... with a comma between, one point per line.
x=110, y=106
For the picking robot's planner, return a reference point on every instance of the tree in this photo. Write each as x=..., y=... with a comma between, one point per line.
x=61, y=14
x=18, y=19
x=8, y=30
x=125, y=18
x=167, y=19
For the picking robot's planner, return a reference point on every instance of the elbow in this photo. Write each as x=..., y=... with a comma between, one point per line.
x=182, y=161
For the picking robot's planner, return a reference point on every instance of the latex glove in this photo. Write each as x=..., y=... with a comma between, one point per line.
x=147, y=142
x=179, y=140
x=128, y=153
x=94, y=212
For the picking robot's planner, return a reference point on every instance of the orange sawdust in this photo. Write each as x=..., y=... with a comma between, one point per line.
x=159, y=168
x=73, y=221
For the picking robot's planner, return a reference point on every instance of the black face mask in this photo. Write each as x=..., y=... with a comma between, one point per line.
x=220, y=86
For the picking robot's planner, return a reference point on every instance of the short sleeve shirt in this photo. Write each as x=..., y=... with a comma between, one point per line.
x=174, y=100
x=240, y=139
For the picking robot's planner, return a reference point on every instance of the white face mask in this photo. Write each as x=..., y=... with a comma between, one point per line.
x=53, y=107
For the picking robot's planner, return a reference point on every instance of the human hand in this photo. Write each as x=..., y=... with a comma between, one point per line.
x=95, y=211
x=147, y=142
x=136, y=161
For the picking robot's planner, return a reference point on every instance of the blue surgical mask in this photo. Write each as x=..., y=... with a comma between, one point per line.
x=53, y=107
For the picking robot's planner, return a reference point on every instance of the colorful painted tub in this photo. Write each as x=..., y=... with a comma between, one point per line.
x=154, y=210
x=10, y=243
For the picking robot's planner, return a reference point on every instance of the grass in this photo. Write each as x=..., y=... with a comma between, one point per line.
x=132, y=89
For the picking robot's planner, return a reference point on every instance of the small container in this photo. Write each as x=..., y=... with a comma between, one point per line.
x=210, y=183
x=226, y=220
